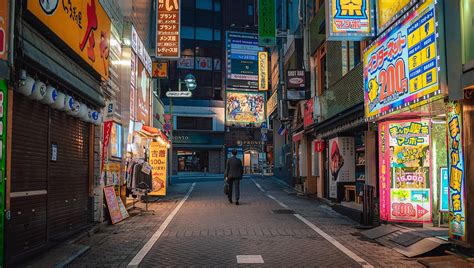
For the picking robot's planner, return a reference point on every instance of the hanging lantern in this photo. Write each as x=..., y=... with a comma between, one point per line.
x=50, y=96
x=83, y=112
x=59, y=102
x=26, y=86
x=39, y=90
x=75, y=106
x=68, y=103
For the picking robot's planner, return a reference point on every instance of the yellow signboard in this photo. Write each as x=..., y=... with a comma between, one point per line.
x=272, y=103
x=82, y=24
x=388, y=11
x=263, y=71
x=349, y=20
x=158, y=161
x=160, y=69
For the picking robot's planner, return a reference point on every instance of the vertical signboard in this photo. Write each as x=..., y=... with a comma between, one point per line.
x=405, y=182
x=167, y=29
x=266, y=23
x=349, y=20
x=308, y=113
x=158, y=159
x=263, y=71
x=341, y=162
x=457, y=184
x=160, y=70
x=82, y=25
x=3, y=140
x=272, y=103
x=4, y=19
x=143, y=92
x=400, y=67
x=242, y=61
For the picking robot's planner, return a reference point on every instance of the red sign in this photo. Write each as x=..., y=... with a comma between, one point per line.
x=105, y=143
x=308, y=113
x=168, y=26
x=319, y=146
x=3, y=29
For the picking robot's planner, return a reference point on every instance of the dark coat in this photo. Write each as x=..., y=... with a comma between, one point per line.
x=234, y=168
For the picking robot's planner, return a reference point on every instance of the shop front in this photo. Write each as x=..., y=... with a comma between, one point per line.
x=404, y=96
x=198, y=151
x=54, y=112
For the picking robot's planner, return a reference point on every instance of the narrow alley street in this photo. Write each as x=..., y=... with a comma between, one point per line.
x=208, y=231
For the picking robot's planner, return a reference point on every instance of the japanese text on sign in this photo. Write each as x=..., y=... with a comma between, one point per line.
x=400, y=68
x=158, y=160
x=167, y=29
x=457, y=199
x=349, y=19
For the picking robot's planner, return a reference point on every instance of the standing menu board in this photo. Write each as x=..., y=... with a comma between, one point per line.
x=116, y=207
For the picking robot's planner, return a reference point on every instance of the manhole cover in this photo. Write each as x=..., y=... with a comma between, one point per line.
x=283, y=211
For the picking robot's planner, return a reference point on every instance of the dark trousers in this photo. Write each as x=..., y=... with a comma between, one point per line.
x=232, y=182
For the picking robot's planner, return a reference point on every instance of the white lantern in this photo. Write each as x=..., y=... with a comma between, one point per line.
x=83, y=112
x=74, y=108
x=93, y=116
x=26, y=86
x=68, y=103
x=39, y=90
x=59, y=102
x=50, y=96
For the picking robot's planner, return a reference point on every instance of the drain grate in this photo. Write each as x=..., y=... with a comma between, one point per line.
x=283, y=211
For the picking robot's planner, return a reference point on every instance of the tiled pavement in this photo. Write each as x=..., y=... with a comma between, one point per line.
x=207, y=231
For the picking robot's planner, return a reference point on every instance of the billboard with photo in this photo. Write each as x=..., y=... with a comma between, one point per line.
x=245, y=107
x=242, y=61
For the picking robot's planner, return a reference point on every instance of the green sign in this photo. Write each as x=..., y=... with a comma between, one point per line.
x=3, y=140
x=266, y=23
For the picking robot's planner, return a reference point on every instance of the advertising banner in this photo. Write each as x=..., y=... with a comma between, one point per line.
x=82, y=25
x=245, y=107
x=349, y=20
x=106, y=141
x=262, y=71
x=143, y=95
x=158, y=161
x=457, y=183
x=242, y=61
x=203, y=63
x=272, y=103
x=405, y=171
x=141, y=52
x=308, y=113
x=116, y=141
x=168, y=29
x=401, y=67
x=4, y=20
x=342, y=159
x=389, y=11
x=266, y=23
x=186, y=62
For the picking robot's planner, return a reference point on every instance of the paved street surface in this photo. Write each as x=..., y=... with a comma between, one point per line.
x=208, y=231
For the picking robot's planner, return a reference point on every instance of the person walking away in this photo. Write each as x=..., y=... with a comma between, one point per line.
x=233, y=174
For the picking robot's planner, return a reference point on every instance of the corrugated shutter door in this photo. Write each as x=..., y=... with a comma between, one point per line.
x=68, y=201
x=26, y=230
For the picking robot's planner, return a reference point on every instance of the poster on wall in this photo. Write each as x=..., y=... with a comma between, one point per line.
x=405, y=171
x=342, y=159
x=349, y=20
x=245, y=107
x=401, y=66
x=242, y=61
x=112, y=171
x=240, y=153
x=143, y=95
x=87, y=35
x=388, y=11
x=457, y=184
x=158, y=160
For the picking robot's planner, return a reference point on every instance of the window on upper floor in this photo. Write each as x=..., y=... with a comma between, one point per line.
x=351, y=55
x=187, y=32
x=193, y=123
x=250, y=9
x=217, y=5
x=320, y=70
x=203, y=33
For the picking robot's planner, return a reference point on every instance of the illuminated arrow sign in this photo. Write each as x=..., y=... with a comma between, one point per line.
x=179, y=94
